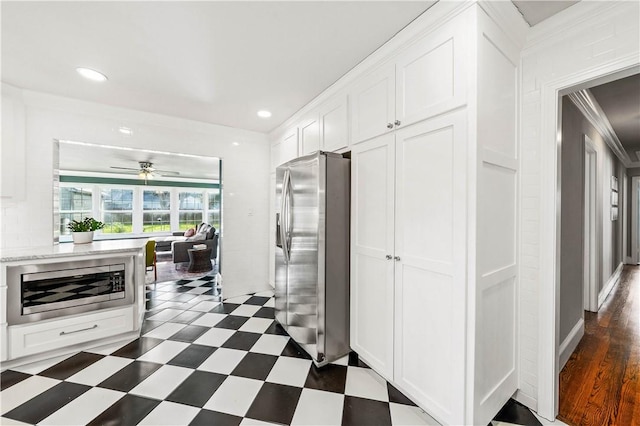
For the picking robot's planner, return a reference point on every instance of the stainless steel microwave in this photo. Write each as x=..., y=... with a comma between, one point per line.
x=52, y=290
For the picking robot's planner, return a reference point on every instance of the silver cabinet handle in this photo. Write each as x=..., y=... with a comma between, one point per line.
x=397, y=258
x=64, y=333
x=388, y=257
x=389, y=125
x=397, y=122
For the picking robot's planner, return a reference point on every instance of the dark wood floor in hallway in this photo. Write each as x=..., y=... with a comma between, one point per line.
x=599, y=384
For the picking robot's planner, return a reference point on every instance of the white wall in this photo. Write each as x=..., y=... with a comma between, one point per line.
x=27, y=216
x=586, y=41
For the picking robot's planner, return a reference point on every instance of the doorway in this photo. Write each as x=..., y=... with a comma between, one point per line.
x=591, y=241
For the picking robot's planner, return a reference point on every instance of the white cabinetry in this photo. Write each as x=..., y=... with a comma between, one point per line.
x=309, y=135
x=334, y=126
x=289, y=146
x=433, y=256
x=425, y=79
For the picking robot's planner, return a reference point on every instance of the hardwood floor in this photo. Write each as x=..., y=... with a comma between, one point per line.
x=599, y=384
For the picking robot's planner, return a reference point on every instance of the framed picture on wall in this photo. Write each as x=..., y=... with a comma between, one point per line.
x=614, y=198
x=614, y=214
x=614, y=183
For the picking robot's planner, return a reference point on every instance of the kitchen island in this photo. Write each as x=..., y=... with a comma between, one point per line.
x=68, y=297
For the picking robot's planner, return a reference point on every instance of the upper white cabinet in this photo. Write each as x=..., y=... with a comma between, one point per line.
x=289, y=146
x=334, y=125
x=309, y=135
x=425, y=79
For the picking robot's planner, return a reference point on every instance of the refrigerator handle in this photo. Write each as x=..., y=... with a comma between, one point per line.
x=278, y=231
x=289, y=215
x=283, y=212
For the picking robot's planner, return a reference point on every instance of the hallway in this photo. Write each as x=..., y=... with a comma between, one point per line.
x=599, y=384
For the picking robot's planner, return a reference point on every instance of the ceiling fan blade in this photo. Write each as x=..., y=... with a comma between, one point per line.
x=166, y=172
x=124, y=168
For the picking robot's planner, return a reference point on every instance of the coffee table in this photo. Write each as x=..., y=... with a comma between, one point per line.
x=199, y=260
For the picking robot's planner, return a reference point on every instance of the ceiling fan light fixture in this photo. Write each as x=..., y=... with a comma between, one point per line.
x=264, y=114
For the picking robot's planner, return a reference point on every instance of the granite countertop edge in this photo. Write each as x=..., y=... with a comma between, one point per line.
x=71, y=250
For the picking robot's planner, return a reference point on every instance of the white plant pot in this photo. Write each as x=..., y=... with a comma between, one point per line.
x=82, y=237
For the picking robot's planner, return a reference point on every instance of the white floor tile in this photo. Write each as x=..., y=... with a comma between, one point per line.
x=164, y=352
x=409, y=415
x=195, y=283
x=161, y=383
x=290, y=371
x=209, y=320
x=317, y=407
x=109, y=348
x=238, y=299
x=198, y=290
x=23, y=391
x=84, y=408
x=546, y=422
x=205, y=306
x=165, y=315
x=222, y=361
x=234, y=396
x=40, y=366
x=170, y=413
x=215, y=337
x=270, y=303
x=99, y=371
x=253, y=422
x=270, y=344
x=366, y=383
x=342, y=361
x=245, y=310
x=268, y=293
x=256, y=325
x=164, y=296
x=10, y=422
x=165, y=330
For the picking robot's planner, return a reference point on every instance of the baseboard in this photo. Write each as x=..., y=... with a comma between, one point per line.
x=526, y=400
x=628, y=261
x=613, y=280
x=571, y=342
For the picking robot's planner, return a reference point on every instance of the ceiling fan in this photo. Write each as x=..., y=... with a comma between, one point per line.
x=147, y=171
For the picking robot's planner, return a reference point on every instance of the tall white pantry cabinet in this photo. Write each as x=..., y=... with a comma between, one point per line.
x=433, y=142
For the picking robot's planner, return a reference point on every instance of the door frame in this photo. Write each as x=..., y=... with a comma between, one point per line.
x=591, y=238
x=635, y=187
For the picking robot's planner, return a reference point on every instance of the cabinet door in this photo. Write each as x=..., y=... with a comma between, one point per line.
x=431, y=75
x=334, y=128
x=372, y=176
x=309, y=135
x=289, y=146
x=372, y=104
x=430, y=241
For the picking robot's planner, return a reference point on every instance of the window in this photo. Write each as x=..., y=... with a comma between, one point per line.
x=75, y=204
x=213, y=212
x=117, y=210
x=189, y=210
x=156, y=211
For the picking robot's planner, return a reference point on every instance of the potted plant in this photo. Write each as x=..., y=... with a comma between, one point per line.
x=82, y=230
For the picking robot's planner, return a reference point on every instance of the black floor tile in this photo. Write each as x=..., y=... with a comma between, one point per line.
x=151, y=313
x=331, y=378
x=224, y=308
x=514, y=412
x=187, y=317
x=396, y=396
x=192, y=356
x=9, y=378
x=129, y=377
x=255, y=366
x=210, y=418
x=265, y=313
x=138, y=347
x=231, y=322
x=128, y=410
x=151, y=304
x=182, y=282
x=147, y=326
x=71, y=366
x=241, y=340
x=208, y=278
x=257, y=300
x=197, y=388
x=360, y=411
x=355, y=361
x=189, y=334
x=49, y=401
x=182, y=289
x=275, y=403
x=291, y=349
x=277, y=329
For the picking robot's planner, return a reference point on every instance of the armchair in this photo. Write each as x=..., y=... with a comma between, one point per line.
x=180, y=253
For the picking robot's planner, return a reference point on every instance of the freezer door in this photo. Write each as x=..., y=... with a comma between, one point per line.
x=281, y=266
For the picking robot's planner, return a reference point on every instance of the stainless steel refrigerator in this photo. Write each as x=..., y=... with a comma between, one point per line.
x=312, y=253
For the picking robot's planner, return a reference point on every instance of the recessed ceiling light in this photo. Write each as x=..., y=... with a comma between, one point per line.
x=91, y=74
x=235, y=143
x=125, y=131
x=264, y=114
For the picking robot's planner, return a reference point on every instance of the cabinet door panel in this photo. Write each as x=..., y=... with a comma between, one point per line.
x=289, y=146
x=372, y=174
x=429, y=276
x=334, y=128
x=309, y=136
x=430, y=76
x=372, y=104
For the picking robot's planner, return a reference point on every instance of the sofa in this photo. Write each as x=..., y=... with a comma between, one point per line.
x=178, y=243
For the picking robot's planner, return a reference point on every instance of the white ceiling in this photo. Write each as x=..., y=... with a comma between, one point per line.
x=211, y=61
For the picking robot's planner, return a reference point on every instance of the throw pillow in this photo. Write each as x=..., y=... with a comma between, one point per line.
x=190, y=232
x=197, y=237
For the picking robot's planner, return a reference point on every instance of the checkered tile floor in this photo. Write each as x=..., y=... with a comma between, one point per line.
x=201, y=361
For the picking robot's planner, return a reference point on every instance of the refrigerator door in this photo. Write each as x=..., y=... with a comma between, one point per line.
x=281, y=266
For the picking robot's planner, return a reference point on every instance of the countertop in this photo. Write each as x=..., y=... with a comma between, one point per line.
x=70, y=249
